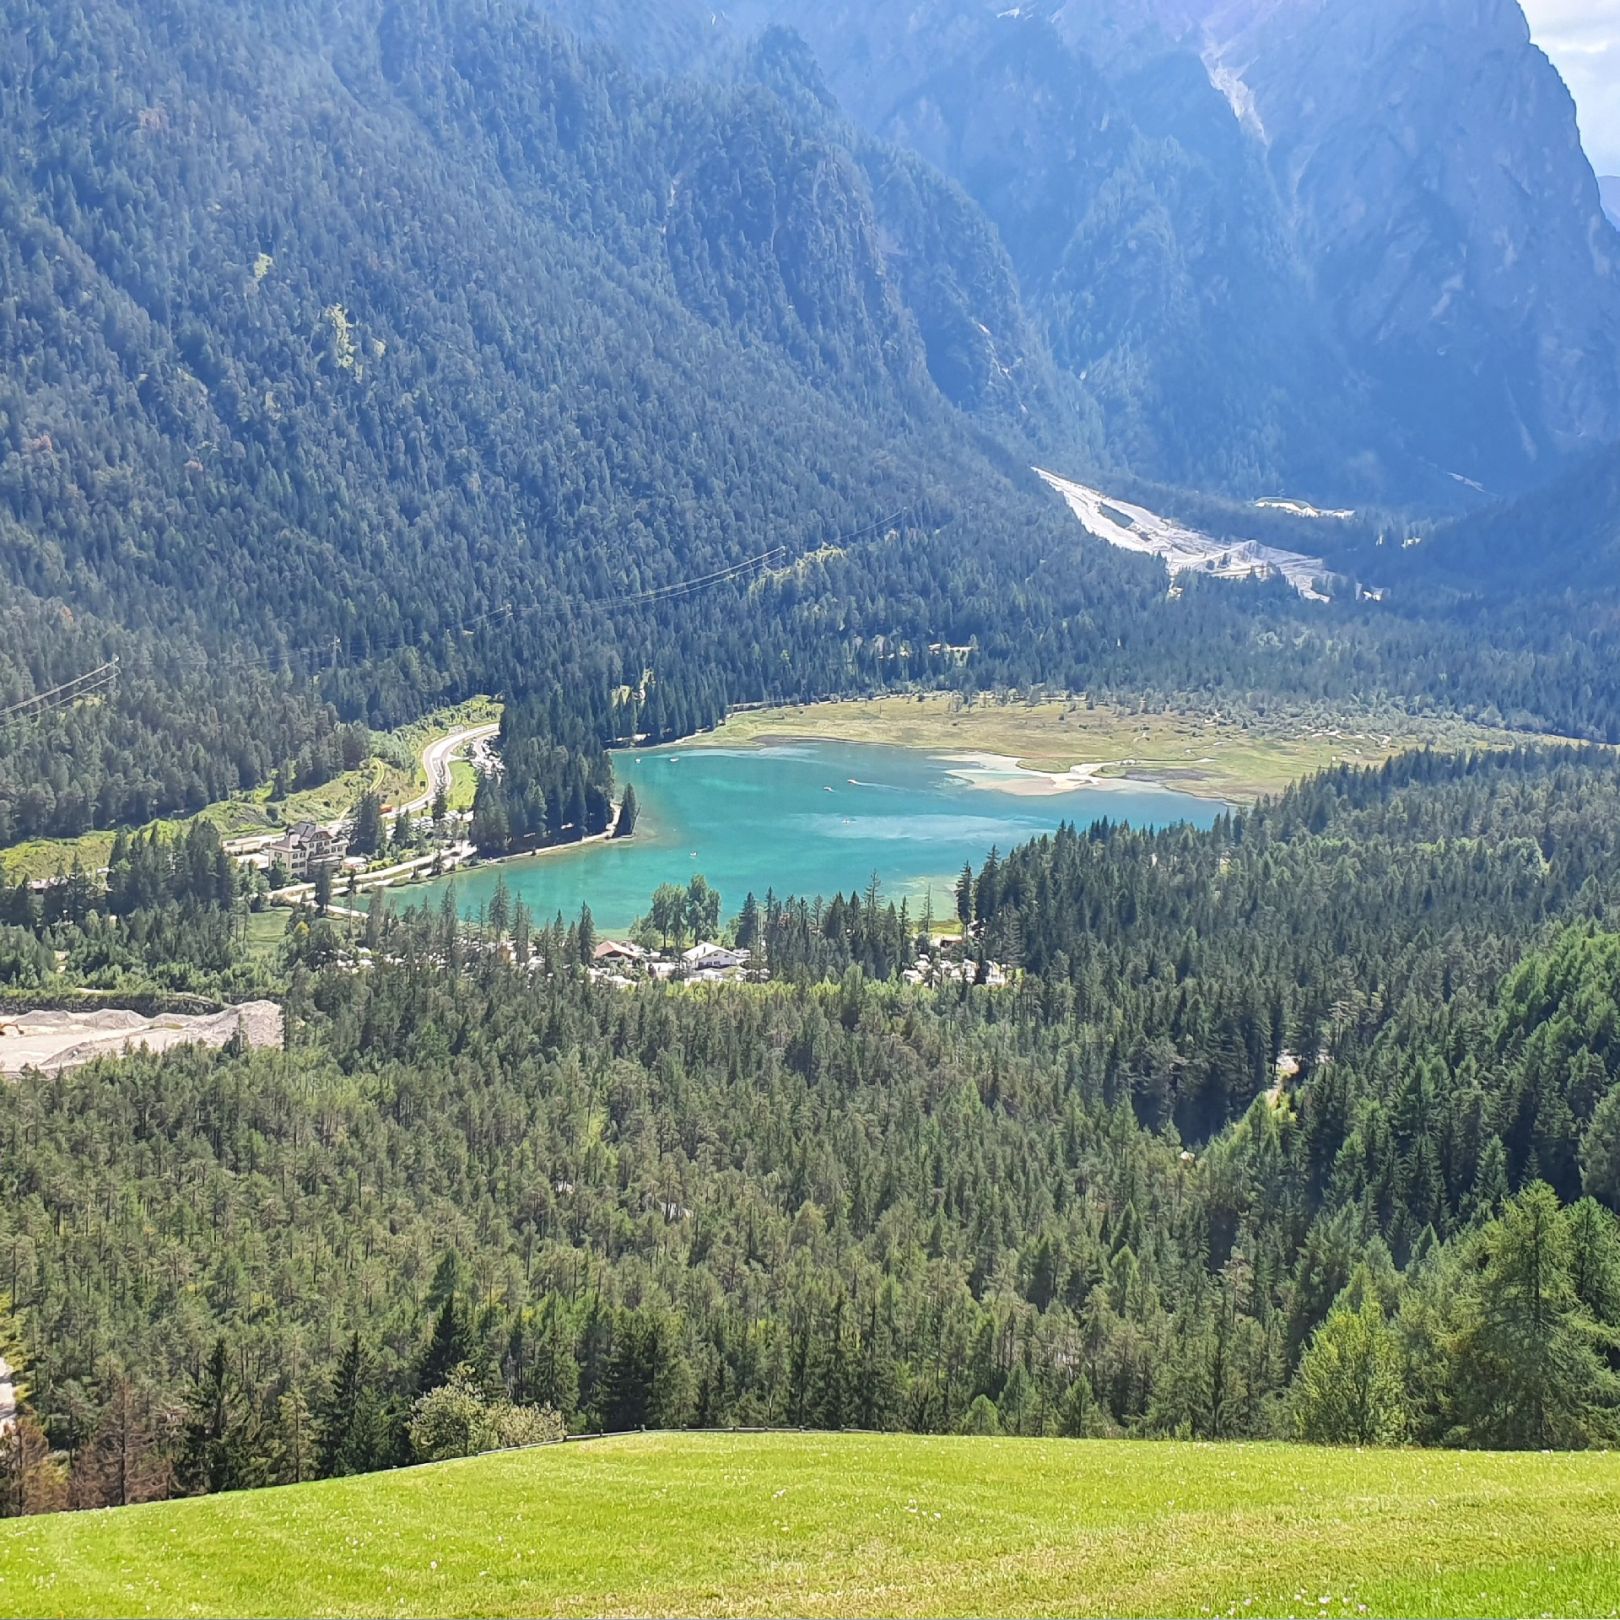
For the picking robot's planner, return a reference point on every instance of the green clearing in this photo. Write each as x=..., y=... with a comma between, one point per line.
x=265, y=932
x=394, y=771
x=1239, y=759
x=463, y=785
x=826, y=1525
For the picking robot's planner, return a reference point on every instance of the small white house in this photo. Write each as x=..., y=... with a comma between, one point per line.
x=713, y=959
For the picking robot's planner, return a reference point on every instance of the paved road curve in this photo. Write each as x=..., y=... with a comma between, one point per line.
x=436, y=762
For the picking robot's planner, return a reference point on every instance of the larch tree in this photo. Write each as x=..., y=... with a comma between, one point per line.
x=1349, y=1390
x=1529, y=1363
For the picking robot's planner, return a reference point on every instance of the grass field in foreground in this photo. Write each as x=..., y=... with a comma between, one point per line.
x=833, y=1525
x=1237, y=759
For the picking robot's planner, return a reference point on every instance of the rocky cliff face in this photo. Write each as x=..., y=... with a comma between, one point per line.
x=1144, y=229
x=1609, y=188
x=1428, y=157
x=1276, y=239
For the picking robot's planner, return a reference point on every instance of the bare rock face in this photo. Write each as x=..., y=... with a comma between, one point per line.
x=1374, y=220
x=1429, y=155
x=1609, y=187
x=1428, y=162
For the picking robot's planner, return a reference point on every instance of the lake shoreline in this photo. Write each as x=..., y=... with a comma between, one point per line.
x=1005, y=773
x=809, y=819
x=1213, y=753
x=986, y=772
x=517, y=857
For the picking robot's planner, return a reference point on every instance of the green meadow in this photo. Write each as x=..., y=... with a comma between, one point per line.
x=1222, y=755
x=846, y=1524
x=394, y=772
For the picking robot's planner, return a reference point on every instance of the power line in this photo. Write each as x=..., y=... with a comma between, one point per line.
x=676, y=591
x=330, y=653
x=90, y=684
x=871, y=528
x=703, y=582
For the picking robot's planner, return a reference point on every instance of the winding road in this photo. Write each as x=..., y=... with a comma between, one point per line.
x=437, y=759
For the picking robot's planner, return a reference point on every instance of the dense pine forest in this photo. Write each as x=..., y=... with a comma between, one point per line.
x=1305, y=1125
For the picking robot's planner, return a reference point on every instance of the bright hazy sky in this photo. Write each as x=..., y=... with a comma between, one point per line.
x=1583, y=38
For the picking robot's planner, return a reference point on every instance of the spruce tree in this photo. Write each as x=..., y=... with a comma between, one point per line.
x=220, y=1441
x=367, y=837
x=449, y=1346
x=351, y=1427
x=629, y=810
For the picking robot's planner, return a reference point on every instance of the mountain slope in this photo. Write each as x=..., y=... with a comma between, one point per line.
x=1609, y=188
x=1431, y=156
x=1155, y=263
x=333, y=331
x=491, y=278
x=1562, y=538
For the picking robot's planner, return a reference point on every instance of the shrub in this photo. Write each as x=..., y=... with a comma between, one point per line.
x=457, y=1420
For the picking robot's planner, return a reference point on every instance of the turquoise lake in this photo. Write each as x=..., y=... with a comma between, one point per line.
x=805, y=819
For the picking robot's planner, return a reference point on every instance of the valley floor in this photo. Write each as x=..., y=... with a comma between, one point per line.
x=861, y=1524
x=1211, y=755
x=1224, y=756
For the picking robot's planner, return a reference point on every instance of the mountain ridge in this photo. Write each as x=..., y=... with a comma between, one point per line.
x=1332, y=184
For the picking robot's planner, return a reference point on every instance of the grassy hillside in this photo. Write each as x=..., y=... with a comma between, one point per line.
x=395, y=771
x=855, y=1524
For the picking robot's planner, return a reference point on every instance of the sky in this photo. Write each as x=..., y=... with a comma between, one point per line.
x=1583, y=39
